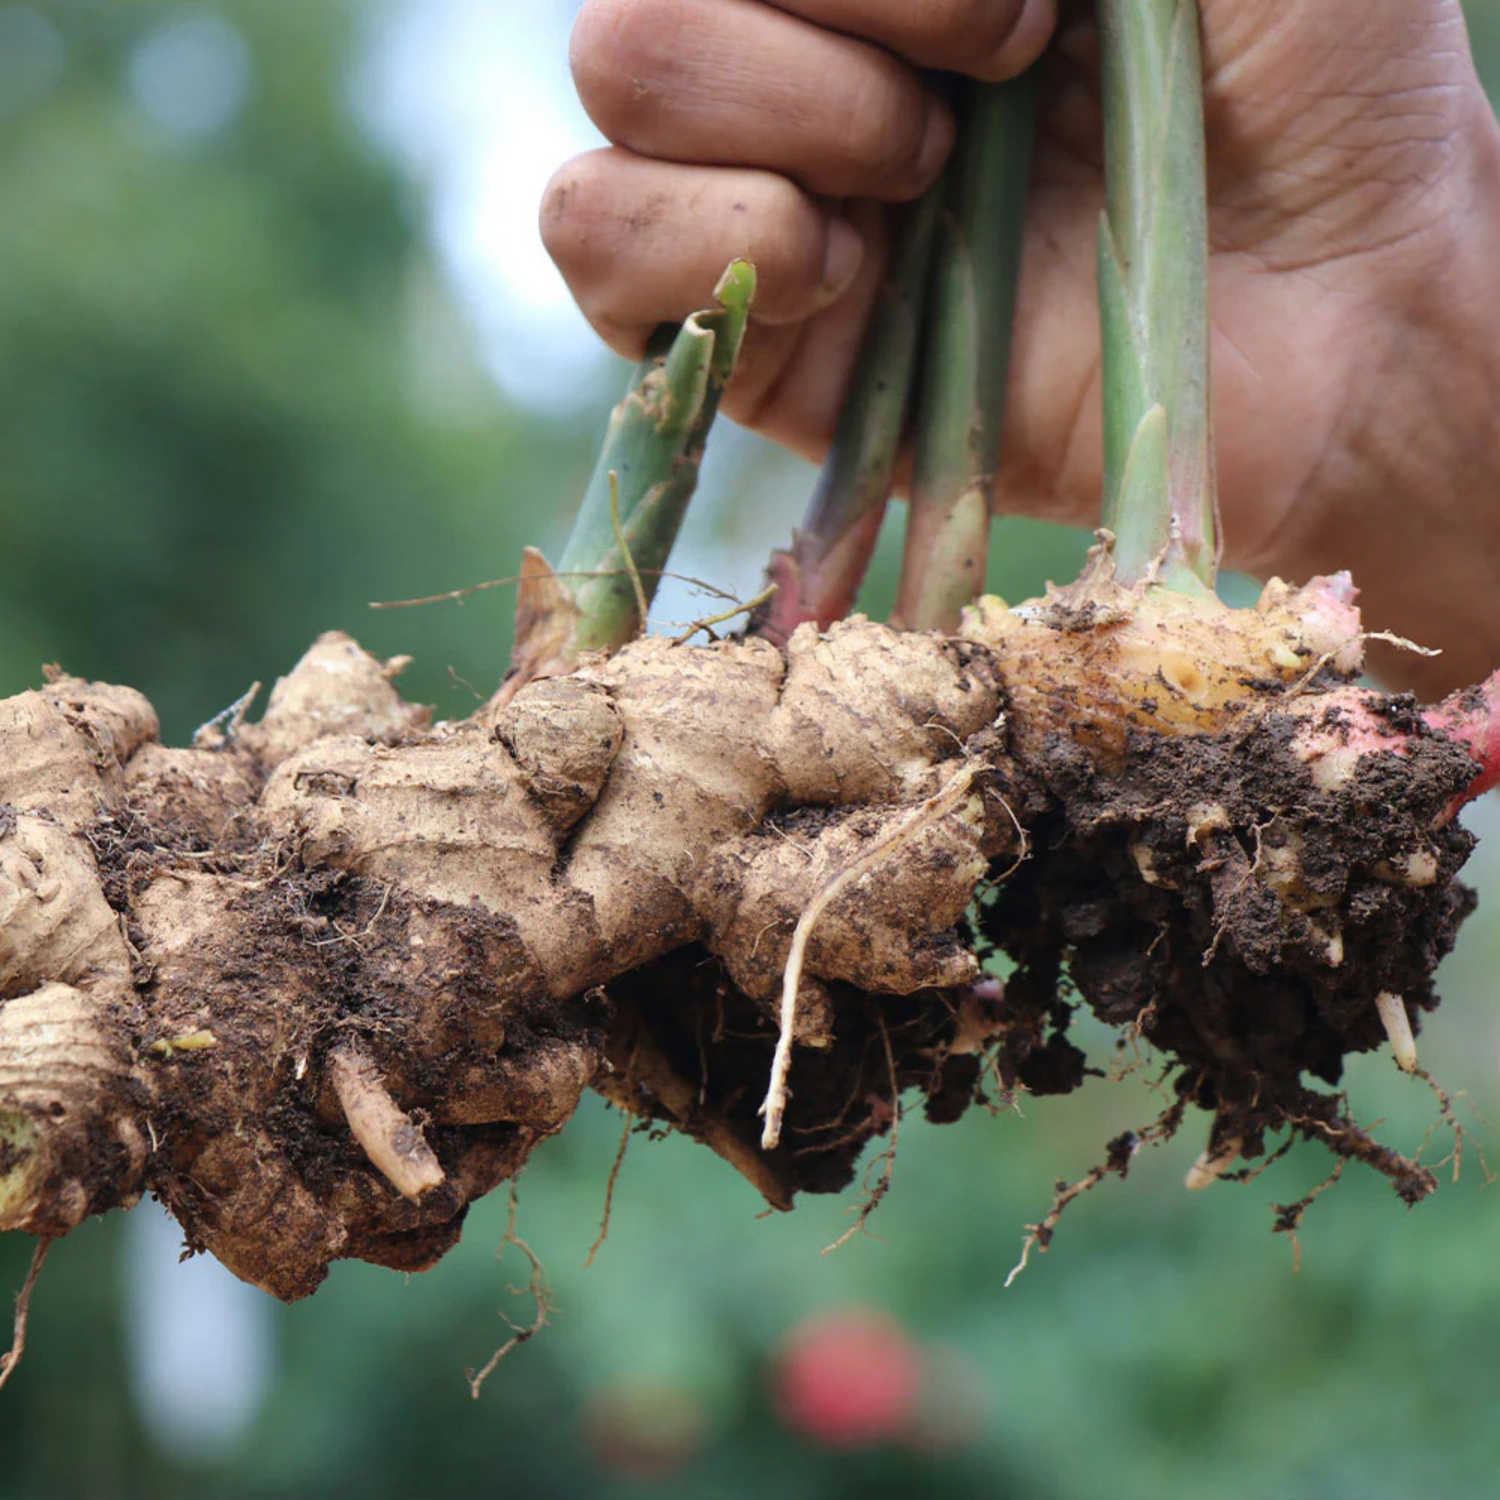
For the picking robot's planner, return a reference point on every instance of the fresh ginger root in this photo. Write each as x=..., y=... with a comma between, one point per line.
x=225, y=968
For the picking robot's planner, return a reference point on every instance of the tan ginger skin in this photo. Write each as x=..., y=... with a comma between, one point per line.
x=322, y=983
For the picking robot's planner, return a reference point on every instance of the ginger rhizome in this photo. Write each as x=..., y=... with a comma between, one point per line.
x=321, y=984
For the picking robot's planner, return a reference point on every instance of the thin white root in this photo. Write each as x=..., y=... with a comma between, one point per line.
x=1212, y=1165
x=943, y=801
x=386, y=1134
x=1021, y=1264
x=1397, y=1025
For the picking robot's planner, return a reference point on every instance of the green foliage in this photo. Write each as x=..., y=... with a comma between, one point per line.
x=212, y=443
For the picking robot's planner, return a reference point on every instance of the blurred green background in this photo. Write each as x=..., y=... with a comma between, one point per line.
x=262, y=360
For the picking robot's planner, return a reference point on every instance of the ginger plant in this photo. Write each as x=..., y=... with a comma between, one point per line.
x=320, y=981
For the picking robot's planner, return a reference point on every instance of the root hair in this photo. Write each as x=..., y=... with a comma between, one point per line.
x=12, y=1357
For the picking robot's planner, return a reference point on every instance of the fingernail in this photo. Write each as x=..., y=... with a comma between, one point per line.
x=937, y=142
x=842, y=258
x=1028, y=38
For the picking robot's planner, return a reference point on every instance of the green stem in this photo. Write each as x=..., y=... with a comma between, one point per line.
x=830, y=553
x=1159, y=494
x=651, y=456
x=966, y=356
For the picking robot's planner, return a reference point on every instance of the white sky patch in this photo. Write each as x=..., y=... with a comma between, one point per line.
x=475, y=98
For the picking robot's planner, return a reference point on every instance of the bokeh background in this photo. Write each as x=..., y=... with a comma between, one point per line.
x=277, y=339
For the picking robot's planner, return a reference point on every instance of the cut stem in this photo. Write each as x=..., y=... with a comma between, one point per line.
x=655, y=447
x=818, y=578
x=642, y=483
x=1159, y=487
x=965, y=357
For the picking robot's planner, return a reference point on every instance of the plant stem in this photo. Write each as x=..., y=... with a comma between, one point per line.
x=1159, y=492
x=820, y=575
x=965, y=357
x=651, y=456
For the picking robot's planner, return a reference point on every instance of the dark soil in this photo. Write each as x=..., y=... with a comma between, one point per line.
x=1202, y=893
x=1247, y=946
x=1224, y=958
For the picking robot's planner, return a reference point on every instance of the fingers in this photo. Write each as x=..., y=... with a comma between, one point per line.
x=990, y=39
x=643, y=242
x=740, y=83
x=792, y=378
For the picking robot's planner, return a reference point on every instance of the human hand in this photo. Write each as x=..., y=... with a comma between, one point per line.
x=1354, y=185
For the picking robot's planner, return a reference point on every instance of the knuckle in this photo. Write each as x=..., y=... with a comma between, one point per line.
x=797, y=228
x=790, y=252
x=569, y=204
x=768, y=220
x=883, y=125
